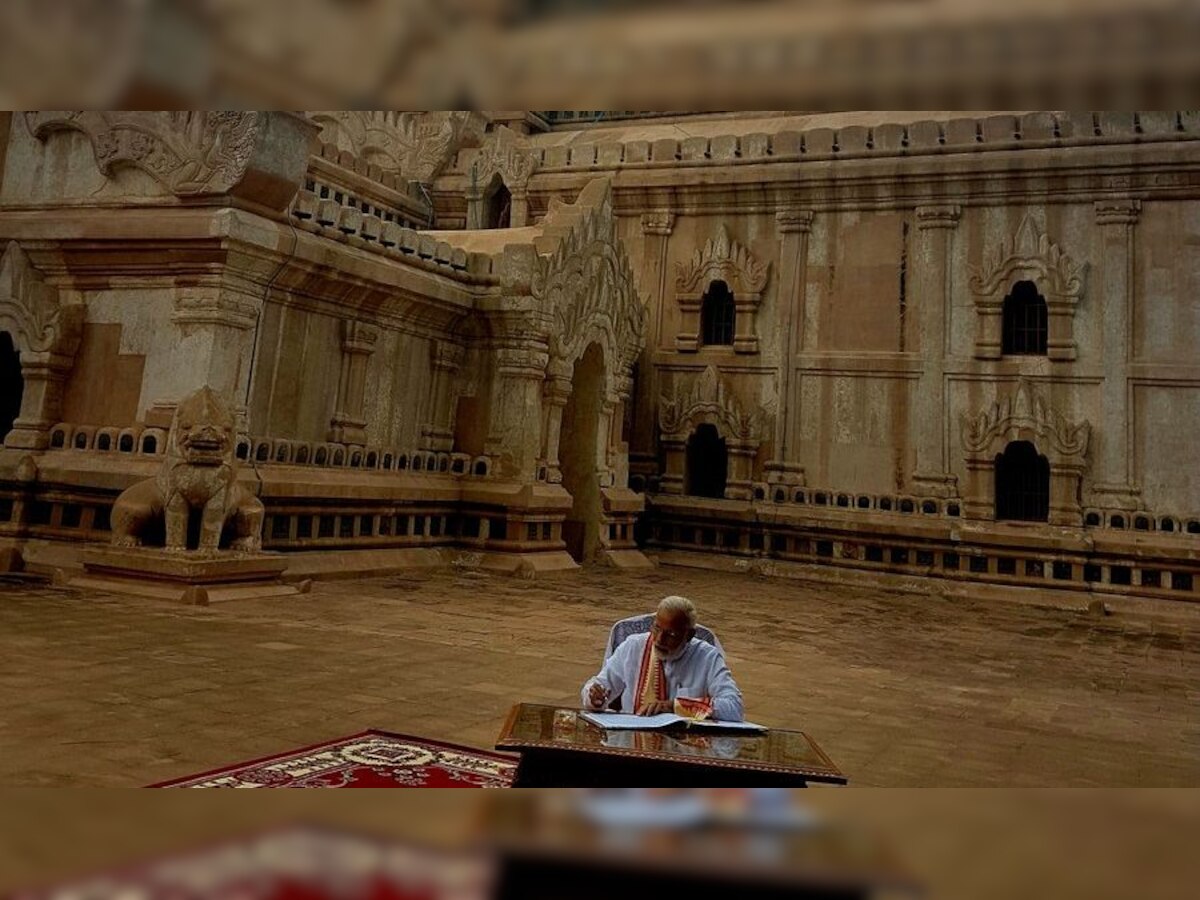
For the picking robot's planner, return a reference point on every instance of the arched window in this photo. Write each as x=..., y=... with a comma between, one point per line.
x=707, y=463
x=12, y=384
x=1022, y=484
x=717, y=315
x=1025, y=318
x=498, y=211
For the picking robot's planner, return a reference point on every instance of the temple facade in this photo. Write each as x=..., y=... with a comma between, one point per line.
x=861, y=345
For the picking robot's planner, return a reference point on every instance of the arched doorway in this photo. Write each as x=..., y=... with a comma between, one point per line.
x=577, y=455
x=1022, y=484
x=707, y=463
x=498, y=207
x=12, y=384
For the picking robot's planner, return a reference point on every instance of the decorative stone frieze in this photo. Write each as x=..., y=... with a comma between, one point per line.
x=194, y=153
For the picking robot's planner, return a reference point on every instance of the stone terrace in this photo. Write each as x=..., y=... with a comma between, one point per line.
x=899, y=689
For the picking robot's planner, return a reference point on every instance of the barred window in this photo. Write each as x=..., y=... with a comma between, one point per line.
x=717, y=315
x=1022, y=484
x=1025, y=321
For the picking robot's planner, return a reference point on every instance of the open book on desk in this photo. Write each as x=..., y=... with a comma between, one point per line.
x=621, y=721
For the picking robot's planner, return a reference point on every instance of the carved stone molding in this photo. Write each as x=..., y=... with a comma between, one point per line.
x=706, y=398
x=1028, y=255
x=720, y=259
x=1025, y=415
x=504, y=153
x=414, y=145
x=659, y=222
x=192, y=152
x=216, y=305
x=794, y=220
x=944, y=216
x=1118, y=212
x=31, y=309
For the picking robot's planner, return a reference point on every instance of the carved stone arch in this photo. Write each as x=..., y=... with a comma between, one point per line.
x=46, y=332
x=586, y=286
x=1025, y=415
x=504, y=155
x=721, y=259
x=1027, y=255
x=707, y=399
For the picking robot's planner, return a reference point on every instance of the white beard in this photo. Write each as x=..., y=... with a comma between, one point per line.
x=671, y=657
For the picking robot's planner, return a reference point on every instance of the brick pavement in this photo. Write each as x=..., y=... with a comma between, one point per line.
x=899, y=689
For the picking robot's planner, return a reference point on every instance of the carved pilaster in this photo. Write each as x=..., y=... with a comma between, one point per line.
x=657, y=226
x=446, y=360
x=929, y=277
x=348, y=424
x=794, y=226
x=1115, y=485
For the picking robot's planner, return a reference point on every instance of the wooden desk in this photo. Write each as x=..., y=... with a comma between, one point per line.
x=559, y=748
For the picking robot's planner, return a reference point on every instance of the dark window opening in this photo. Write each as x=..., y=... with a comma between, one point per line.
x=1025, y=321
x=1022, y=484
x=717, y=315
x=1119, y=575
x=707, y=462
x=499, y=208
x=978, y=565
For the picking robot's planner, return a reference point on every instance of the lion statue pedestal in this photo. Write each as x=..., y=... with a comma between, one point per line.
x=197, y=484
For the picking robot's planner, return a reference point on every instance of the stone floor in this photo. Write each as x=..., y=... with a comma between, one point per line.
x=899, y=689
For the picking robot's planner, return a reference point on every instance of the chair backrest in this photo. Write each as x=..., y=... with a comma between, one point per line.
x=641, y=624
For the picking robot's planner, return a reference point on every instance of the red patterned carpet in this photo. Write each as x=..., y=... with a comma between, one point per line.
x=373, y=759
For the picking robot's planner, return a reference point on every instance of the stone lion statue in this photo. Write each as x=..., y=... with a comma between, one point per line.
x=199, y=472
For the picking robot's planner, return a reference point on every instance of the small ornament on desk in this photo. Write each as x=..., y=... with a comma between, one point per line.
x=692, y=708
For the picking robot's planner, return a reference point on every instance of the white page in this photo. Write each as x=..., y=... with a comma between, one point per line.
x=636, y=723
x=733, y=726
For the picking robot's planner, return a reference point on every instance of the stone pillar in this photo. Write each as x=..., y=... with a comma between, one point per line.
x=474, y=196
x=348, y=424
x=555, y=393
x=794, y=227
x=739, y=484
x=514, y=432
x=447, y=359
x=45, y=376
x=519, y=211
x=643, y=454
x=1114, y=481
x=675, y=462
x=928, y=275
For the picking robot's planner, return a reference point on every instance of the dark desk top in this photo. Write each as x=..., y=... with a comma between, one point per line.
x=533, y=726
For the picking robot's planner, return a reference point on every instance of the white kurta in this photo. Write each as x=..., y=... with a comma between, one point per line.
x=699, y=672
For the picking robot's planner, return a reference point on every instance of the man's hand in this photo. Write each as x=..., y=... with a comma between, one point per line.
x=597, y=695
x=658, y=706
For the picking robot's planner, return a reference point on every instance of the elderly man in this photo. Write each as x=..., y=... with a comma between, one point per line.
x=648, y=671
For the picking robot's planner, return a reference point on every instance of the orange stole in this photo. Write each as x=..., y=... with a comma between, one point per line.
x=651, y=670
